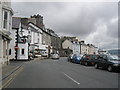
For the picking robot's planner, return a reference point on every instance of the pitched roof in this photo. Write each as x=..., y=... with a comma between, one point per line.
x=16, y=22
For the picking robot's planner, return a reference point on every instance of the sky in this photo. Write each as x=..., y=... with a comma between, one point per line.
x=94, y=22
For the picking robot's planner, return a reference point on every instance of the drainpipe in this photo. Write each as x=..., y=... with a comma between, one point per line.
x=28, y=51
x=80, y=48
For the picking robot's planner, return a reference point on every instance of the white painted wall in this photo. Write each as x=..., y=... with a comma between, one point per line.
x=76, y=48
x=1, y=35
x=84, y=49
x=73, y=46
x=25, y=47
x=35, y=37
x=67, y=44
x=1, y=49
x=6, y=6
x=32, y=38
x=40, y=36
x=12, y=44
x=25, y=33
x=4, y=44
x=0, y=17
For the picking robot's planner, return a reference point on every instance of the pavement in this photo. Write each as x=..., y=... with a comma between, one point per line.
x=8, y=70
x=60, y=73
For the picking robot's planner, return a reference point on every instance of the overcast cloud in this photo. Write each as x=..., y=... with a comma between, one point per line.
x=94, y=22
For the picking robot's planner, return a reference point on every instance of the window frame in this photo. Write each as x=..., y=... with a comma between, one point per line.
x=38, y=40
x=22, y=51
x=38, y=34
x=10, y=51
x=7, y=20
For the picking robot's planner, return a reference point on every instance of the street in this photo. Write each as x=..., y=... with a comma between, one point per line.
x=60, y=73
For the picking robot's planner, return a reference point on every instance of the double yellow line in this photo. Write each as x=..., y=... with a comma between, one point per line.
x=9, y=81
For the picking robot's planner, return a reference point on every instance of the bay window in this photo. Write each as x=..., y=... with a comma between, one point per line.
x=5, y=19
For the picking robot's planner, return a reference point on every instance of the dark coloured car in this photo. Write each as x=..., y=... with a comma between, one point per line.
x=88, y=59
x=109, y=62
x=77, y=58
x=70, y=57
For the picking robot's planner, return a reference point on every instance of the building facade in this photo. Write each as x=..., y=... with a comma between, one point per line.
x=92, y=49
x=6, y=13
x=35, y=34
x=72, y=45
x=36, y=40
x=55, y=41
x=46, y=48
x=19, y=45
x=27, y=37
x=83, y=48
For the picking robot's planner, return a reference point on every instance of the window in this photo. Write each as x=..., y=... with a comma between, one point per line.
x=9, y=51
x=10, y=21
x=5, y=19
x=38, y=34
x=29, y=31
x=38, y=40
x=23, y=51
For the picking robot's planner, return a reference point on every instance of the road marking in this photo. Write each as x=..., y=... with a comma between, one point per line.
x=71, y=78
x=11, y=79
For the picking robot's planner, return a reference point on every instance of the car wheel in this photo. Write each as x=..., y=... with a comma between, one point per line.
x=86, y=64
x=110, y=69
x=96, y=66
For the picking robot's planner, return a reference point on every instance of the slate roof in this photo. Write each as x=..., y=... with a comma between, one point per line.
x=15, y=22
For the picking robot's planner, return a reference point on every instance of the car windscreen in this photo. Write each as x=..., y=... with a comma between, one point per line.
x=78, y=55
x=55, y=54
x=72, y=55
x=113, y=57
x=94, y=56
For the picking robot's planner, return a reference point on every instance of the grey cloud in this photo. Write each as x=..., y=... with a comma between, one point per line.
x=113, y=30
x=112, y=44
x=84, y=24
x=77, y=19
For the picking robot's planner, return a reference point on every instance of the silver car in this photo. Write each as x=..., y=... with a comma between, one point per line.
x=55, y=56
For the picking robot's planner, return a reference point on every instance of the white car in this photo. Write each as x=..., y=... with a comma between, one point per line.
x=55, y=56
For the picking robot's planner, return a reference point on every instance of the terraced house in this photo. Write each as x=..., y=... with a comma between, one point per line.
x=6, y=13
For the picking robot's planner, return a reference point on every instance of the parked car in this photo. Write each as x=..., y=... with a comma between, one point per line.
x=55, y=56
x=31, y=56
x=44, y=54
x=88, y=59
x=70, y=57
x=77, y=58
x=109, y=62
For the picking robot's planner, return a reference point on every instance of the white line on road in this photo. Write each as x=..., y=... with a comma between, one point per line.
x=71, y=78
